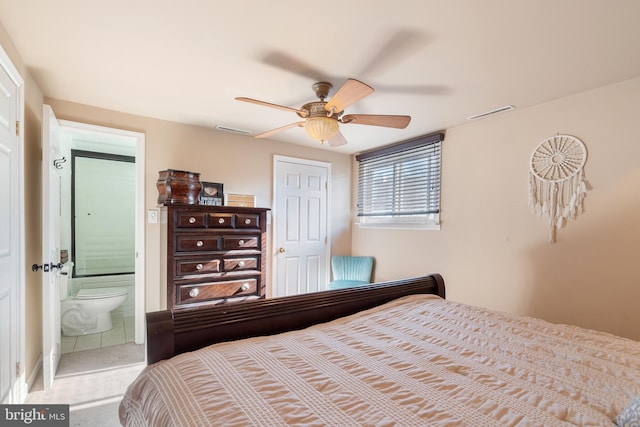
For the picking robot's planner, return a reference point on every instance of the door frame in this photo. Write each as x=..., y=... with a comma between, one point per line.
x=140, y=223
x=277, y=159
x=20, y=388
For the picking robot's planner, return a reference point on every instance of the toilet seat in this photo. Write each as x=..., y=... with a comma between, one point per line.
x=95, y=293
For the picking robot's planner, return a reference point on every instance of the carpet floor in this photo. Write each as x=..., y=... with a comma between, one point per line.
x=92, y=382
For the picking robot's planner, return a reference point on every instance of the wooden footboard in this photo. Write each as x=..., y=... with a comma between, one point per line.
x=171, y=332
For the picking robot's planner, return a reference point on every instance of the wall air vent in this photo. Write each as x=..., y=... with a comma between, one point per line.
x=233, y=130
x=492, y=112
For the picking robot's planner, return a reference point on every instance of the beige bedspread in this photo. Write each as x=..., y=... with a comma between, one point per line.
x=416, y=361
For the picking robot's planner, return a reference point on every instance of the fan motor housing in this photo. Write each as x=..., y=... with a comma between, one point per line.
x=317, y=109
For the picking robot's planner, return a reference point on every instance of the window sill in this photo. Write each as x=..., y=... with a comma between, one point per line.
x=400, y=226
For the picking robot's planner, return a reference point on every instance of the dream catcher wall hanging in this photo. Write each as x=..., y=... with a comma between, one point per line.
x=556, y=181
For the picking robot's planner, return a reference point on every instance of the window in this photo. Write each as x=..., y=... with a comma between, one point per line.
x=399, y=185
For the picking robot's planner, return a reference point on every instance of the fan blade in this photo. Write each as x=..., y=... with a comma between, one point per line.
x=398, y=48
x=415, y=89
x=276, y=130
x=286, y=62
x=301, y=113
x=398, y=122
x=337, y=140
x=349, y=93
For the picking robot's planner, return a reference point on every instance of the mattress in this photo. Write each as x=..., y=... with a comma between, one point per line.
x=416, y=361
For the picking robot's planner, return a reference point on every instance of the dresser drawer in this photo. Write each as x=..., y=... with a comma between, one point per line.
x=247, y=221
x=240, y=242
x=237, y=264
x=220, y=220
x=217, y=290
x=197, y=266
x=197, y=243
x=190, y=219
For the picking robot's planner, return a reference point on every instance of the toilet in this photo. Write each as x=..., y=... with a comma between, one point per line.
x=89, y=310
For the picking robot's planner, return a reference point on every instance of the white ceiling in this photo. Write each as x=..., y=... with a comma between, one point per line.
x=438, y=61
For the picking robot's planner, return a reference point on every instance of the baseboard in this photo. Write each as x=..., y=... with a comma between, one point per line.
x=35, y=370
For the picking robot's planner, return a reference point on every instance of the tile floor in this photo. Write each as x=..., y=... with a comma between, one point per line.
x=122, y=333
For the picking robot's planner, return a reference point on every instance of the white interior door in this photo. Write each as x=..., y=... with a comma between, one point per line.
x=301, y=226
x=51, y=188
x=10, y=256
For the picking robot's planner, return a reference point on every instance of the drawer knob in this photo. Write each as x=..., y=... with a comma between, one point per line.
x=241, y=264
x=244, y=287
x=247, y=221
x=221, y=221
x=194, y=292
x=199, y=267
x=199, y=243
x=240, y=242
x=192, y=220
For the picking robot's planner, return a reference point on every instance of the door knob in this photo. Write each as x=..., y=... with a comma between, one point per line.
x=46, y=267
x=281, y=250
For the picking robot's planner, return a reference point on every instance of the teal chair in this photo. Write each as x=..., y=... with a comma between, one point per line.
x=349, y=271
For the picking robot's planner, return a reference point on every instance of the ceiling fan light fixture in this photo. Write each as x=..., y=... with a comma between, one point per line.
x=321, y=128
x=322, y=119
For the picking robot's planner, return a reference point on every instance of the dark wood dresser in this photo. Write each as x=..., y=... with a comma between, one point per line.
x=215, y=254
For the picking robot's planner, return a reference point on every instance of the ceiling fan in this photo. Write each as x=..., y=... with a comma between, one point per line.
x=322, y=118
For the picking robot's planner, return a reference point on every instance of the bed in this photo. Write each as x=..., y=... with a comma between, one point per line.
x=394, y=353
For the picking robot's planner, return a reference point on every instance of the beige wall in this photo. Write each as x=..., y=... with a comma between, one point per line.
x=492, y=251
x=243, y=164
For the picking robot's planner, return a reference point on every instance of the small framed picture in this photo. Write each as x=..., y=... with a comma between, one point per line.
x=211, y=194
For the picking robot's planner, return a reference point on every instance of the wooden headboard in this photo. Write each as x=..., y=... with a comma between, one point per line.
x=171, y=332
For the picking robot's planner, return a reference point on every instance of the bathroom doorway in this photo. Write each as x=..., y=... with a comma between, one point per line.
x=103, y=143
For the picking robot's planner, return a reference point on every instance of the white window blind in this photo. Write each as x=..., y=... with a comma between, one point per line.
x=400, y=184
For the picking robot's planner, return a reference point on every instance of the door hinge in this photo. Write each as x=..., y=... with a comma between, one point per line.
x=17, y=127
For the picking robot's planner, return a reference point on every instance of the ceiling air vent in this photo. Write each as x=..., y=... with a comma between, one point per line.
x=233, y=130
x=492, y=112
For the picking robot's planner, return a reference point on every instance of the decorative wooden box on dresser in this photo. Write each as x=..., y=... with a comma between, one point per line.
x=215, y=254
